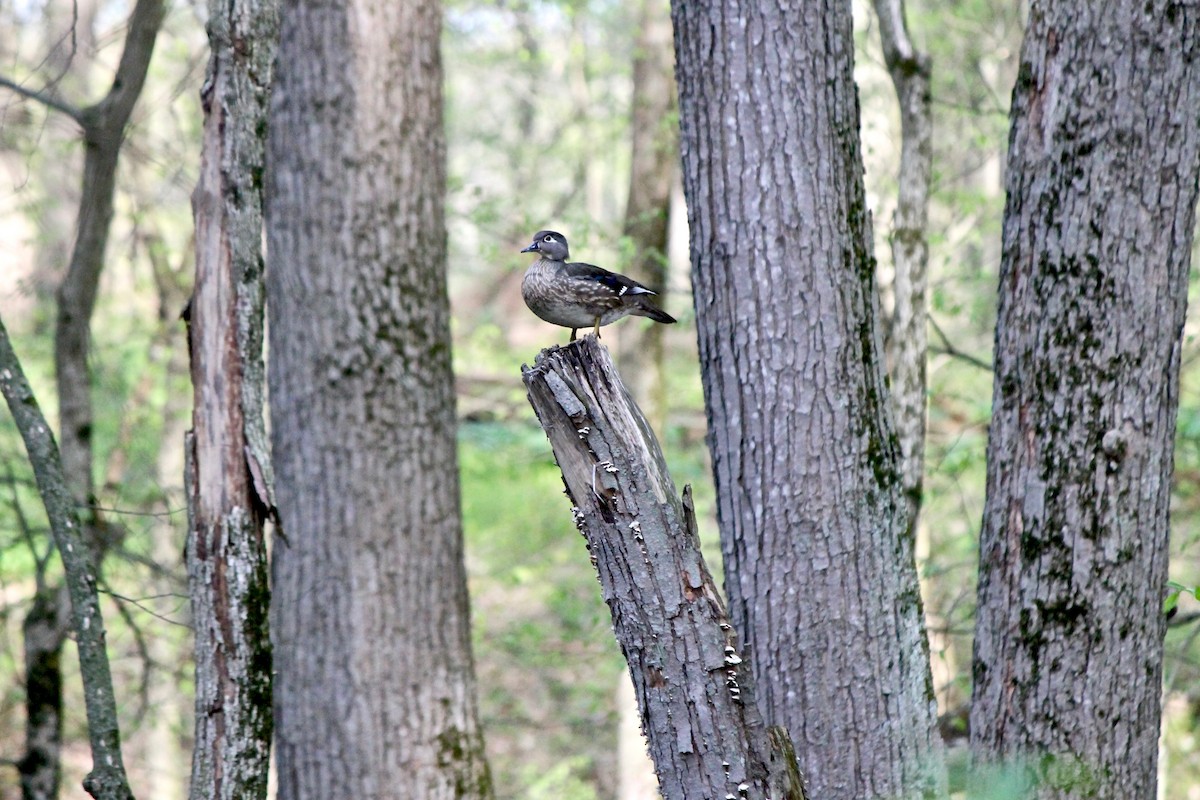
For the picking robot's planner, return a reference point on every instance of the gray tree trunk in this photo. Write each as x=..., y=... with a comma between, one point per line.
x=103, y=134
x=706, y=736
x=227, y=466
x=375, y=688
x=818, y=552
x=1103, y=164
x=106, y=780
x=907, y=345
x=653, y=163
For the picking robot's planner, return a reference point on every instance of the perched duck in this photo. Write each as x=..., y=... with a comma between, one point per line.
x=580, y=295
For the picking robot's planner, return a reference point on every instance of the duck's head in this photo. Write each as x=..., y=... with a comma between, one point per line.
x=549, y=244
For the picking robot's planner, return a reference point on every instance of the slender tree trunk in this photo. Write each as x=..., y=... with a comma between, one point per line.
x=42, y=632
x=375, y=688
x=814, y=529
x=107, y=780
x=1103, y=165
x=46, y=627
x=653, y=162
x=228, y=467
x=909, y=70
x=103, y=134
x=706, y=735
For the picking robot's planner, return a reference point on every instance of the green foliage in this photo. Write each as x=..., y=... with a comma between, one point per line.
x=1176, y=591
x=547, y=662
x=562, y=781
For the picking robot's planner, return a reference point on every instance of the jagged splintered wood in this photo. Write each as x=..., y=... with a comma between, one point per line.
x=227, y=471
x=706, y=737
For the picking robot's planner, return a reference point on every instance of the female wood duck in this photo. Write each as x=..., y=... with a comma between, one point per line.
x=578, y=295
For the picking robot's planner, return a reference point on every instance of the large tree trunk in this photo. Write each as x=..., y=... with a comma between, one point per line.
x=1102, y=173
x=375, y=689
x=228, y=475
x=818, y=553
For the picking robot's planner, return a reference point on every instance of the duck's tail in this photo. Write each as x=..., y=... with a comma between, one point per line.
x=647, y=309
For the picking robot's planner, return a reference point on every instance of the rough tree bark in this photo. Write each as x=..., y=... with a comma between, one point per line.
x=818, y=554
x=1104, y=158
x=103, y=126
x=653, y=163
x=706, y=736
x=227, y=458
x=375, y=688
x=107, y=780
x=908, y=342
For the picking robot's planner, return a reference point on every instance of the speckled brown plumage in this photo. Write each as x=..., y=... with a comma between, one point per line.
x=577, y=295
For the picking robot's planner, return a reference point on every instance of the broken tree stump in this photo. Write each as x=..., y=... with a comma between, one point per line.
x=706, y=737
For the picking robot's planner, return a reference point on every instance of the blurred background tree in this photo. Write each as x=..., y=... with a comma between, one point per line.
x=539, y=99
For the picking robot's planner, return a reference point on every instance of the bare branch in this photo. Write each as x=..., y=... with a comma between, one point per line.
x=39, y=559
x=136, y=602
x=113, y=111
x=43, y=97
x=107, y=779
x=950, y=350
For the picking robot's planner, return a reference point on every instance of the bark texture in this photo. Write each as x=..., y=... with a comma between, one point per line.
x=653, y=163
x=228, y=474
x=818, y=554
x=706, y=736
x=375, y=688
x=107, y=780
x=1104, y=158
x=909, y=70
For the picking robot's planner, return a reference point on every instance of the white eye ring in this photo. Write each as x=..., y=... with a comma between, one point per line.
x=548, y=239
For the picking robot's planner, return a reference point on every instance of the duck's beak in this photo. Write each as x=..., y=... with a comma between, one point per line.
x=531, y=249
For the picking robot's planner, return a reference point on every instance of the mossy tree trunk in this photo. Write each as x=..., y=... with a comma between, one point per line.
x=227, y=460
x=1102, y=175
x=375, y=687
x=819, y=561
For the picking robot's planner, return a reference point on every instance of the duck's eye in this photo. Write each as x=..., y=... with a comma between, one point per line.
x=548, y=239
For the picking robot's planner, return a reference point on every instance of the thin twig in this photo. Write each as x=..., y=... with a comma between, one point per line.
x=48, y=100
x=139, y=641
x=120, y=598
x=39, y=560
x=951, y=350
x=126, y=512
x=1179, y=620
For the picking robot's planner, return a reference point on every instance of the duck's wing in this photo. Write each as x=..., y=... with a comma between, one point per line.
x=619, y=285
